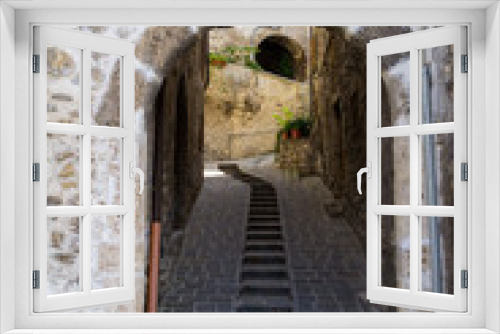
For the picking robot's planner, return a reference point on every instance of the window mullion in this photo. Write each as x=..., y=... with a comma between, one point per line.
x=414, y=172
x=86, y=170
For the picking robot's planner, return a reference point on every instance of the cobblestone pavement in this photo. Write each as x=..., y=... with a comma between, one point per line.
x=327, y=262
x=206, y=278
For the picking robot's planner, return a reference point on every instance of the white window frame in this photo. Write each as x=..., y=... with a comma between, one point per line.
x=484, y=50
x=86, y=297
x=413, y=43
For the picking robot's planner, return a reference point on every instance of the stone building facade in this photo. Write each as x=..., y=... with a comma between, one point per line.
x=239, y=107
x=240, y=101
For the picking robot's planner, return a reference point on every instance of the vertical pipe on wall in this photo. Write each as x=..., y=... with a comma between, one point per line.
x=154, y=265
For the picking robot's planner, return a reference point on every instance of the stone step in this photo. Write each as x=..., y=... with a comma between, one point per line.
x=257, y=211
x=265, y=242
x=264, y=236
x=256, y=190
x=264, y=217
x=262, y=194
x=252, y=214
x=261, y=259
x=263, y=221
x=264, y=248
x=260, y=228
x=263, y=198
x=266, y=283
x=264, y=267
x=253, y=254
x=263, y=190
x=264, y=301
x=260, y=274
x=263, y=228
x=263, y=309
x=256, y=290
x=252, y=220
x=264, y=204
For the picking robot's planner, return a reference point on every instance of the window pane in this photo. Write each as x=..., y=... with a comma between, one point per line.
x=437, y=84
x=437, y=169
x=106, y=251
x=395, y=89
x=395, y=247
x=106, y=86
x=63, y=84
x=63, y=260
x=106, y=169
x=437, y=254
x=63, y=169
x=395, y=171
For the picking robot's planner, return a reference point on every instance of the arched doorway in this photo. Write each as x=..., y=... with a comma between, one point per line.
x=282, y=56
x=180, y=155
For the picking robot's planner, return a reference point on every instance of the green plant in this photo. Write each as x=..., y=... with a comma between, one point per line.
x=235, y=54
x=283, y=117
x=214, y=56
x=252, y=65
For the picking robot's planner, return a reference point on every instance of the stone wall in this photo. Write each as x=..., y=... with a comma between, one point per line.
x=178, y=163
x=295, y=156
x=239, y=105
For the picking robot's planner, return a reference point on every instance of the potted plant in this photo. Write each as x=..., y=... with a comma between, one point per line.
x=295, y=129
x=217, y=60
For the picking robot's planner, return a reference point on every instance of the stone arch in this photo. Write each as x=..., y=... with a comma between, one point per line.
x=181, y=146
x=283, y=56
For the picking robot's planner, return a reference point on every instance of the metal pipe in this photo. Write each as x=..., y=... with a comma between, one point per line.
x=154, y=266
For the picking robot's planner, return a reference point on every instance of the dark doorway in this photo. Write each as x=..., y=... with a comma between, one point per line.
x=180, y=155
x=274, y=57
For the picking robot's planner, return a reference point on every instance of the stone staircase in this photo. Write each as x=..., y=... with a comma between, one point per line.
x=265, y=284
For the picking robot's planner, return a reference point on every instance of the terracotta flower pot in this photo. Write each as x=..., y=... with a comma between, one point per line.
x=295, y=133
x=284, y=135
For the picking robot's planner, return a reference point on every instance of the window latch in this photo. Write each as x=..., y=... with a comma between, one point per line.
x=136, y=170
x=368, y=171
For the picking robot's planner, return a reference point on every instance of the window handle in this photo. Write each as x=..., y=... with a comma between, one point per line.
x=368, y=171
x=136, y=170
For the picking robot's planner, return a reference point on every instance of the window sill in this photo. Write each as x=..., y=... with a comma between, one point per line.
x=252, y=331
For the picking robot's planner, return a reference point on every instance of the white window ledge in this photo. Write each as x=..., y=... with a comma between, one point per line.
x=251, y=331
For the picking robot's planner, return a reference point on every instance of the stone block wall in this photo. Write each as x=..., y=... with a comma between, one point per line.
x=239, y=105
x=295, y=155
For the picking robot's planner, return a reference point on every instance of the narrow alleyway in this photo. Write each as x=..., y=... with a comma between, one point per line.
x=206, y=275
x=261, y=241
